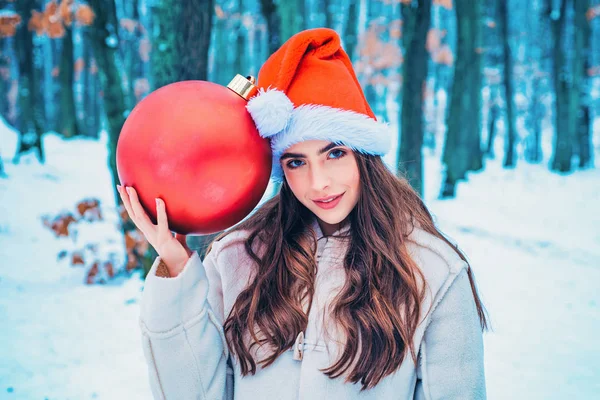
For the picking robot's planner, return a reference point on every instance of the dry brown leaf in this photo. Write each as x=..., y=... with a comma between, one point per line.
x=128, y=24
x=219, y=12
x=85, y=15
x=433, y=41
x=592, y=12
x=93, y=271
x=132, y=262
x=130, y=242
x=444, y=56
x=8, y=23
x=90, y=209
x=77, y=258
x=36, y=22
x=78, y=67
x=447, y=4
x=56, y=30
x=60, y=224
x=141, y=87
x=110, y=271
x=66, y=13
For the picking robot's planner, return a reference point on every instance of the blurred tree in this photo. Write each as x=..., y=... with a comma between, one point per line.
x=268, y=9
x=5, y=61
x=30, y=122
x=511, y=133
x=373, y=44
x=351, y=29
x=291, y=14
x=462, y=148
x=570, y=59
x=326, y=8
x=131, y=37
x=103, y=37
x=442, y=60
x=92, y=107
x=493, y=59
x=535, y=78
x=239, y=63
x=56, y=22
x=475, y=77
x=580, y=96
x=181, y=40
x=416, y=22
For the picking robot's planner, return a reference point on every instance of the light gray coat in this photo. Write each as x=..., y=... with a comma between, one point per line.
x=184, y=345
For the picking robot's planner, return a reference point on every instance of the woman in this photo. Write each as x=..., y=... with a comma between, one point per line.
x=339, y=287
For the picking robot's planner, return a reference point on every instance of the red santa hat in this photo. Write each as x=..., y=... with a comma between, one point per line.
x=307, y=90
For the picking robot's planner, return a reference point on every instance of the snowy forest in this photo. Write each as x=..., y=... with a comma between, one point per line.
x=496, y=106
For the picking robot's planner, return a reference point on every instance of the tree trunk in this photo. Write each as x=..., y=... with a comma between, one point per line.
x=68, y=122
x=475, y=162
x=580, y=97
x=239, y=61
x=136, y=70
x=533, y=149
x=291, y=19
x=4, y=83
x=328, y=13
x=410, y=161
x=181, y=41
x=456, y=147
x=563, y=149
x=269, y=11
x=492, y=118
x=351, y=29
x=164, y=59
x=104, y=41
x=509, y=156
x=30, y=118
x=55, y=93
x=194, y=39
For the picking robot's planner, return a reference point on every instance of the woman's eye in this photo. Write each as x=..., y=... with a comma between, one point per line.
x=294, y=164
x=337, y=153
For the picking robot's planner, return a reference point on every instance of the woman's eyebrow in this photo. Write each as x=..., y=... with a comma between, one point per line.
x=327, y=148
x=300, y=155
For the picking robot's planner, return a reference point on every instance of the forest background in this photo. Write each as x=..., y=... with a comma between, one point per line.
x=495, y=104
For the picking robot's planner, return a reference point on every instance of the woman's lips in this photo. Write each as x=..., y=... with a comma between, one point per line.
x=329, y=204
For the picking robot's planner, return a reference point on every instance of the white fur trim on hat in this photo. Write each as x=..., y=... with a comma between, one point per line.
x=271, y=111
x=314, y=122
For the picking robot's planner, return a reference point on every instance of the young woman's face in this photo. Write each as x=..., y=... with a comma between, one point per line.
x=318, y=171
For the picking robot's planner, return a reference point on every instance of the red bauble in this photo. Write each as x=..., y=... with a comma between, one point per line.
x=194, y=145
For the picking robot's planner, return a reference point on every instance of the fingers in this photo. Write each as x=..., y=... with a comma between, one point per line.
x=161, y=220
x=125, y=200
x=141, y=218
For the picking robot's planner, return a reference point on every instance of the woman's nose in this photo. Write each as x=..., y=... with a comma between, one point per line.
x=320, y=178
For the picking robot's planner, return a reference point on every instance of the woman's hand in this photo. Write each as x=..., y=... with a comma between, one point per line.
x=173, y=250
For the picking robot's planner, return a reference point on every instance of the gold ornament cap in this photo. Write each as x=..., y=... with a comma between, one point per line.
x=243, y=87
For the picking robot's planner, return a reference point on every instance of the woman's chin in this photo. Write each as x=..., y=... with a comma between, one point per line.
x=332, y=217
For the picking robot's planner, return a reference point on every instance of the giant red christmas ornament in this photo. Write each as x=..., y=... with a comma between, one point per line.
x=194, y=145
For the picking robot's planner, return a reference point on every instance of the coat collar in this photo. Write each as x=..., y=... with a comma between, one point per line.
x=314, y=224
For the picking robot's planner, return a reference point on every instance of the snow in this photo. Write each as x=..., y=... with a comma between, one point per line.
x=532, y=238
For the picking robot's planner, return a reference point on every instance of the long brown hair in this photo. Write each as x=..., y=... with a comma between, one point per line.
x=378, y=307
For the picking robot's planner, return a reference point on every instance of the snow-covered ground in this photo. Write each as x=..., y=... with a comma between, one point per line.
x=532, y=237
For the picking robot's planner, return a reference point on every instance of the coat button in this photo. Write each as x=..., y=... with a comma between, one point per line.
x=299, y=347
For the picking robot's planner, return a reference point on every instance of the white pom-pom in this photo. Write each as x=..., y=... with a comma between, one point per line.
x=271, y=111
